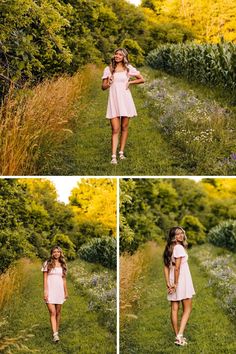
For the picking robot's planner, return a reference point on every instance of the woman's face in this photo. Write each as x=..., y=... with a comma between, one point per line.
x=56, y=253
x=179, y=235
x=119, y=56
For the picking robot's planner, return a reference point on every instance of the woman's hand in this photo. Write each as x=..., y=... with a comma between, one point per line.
x=171, y=288
x=66, y=295
x=45, y=296
x=127, y=85
x=110, y=80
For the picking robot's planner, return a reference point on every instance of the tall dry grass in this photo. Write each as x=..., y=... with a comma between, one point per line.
x=36, y=121
x=12, y=280
x=132, y=269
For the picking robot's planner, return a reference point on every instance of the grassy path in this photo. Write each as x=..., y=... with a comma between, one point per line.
x=149, y=151
x=209, y=330
x=27, y=318
x=88, y=151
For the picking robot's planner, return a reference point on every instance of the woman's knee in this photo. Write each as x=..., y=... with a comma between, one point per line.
x=115, y=131
x=52, y=312
x=175, y=307
x=124, y=128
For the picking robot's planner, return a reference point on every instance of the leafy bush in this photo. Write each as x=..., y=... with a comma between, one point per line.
x=224, y=235
x=134, y=50
x=100, y=250
x=86, y=230
x=14, y=245
x=66, y=244
x=213, y=64
x=194, y=229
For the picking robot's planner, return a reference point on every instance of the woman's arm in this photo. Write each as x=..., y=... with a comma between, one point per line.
x=106, y=83
x=139, y=80
x=65, y=287
x=167, y=274
x=177, y=269
x=45, y=286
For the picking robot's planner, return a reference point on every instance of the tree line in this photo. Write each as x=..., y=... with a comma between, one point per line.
x=33, y=220
x=42, y=38
x=150, y=207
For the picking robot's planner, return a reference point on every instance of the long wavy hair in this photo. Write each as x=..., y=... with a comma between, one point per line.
x=171, y=242
x=51, y=261
x=125, y=61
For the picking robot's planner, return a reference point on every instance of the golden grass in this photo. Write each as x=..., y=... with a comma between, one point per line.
x=132, y=269
x=32, y=121
x=12, y=281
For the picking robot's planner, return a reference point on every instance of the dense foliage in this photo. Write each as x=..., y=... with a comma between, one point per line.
x=100, y=250
x=33, y=220
x=41, y=38
x=224, y=235
x=212, y=64
x=150, y=207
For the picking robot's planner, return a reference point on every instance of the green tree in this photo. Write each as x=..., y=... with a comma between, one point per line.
x=194, y=229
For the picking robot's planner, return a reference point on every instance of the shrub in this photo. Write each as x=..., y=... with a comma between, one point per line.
x=224, y=235
x=13, y=245
x=134, y=50
x=66, y=244
x=100, y=250
x=194, y=229
x=87, y=230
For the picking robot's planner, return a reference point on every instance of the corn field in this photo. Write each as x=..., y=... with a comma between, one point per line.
x=211, y=64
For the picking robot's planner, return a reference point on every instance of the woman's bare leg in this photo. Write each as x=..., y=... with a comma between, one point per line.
x=187, y=308
x=174, y=315
x=58, y=316
x=52, y=313
x=115, y=126
x=124, y=132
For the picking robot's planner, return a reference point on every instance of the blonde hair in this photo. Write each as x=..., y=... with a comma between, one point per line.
x=62, y=261
x=125, y=61
x=171, y=242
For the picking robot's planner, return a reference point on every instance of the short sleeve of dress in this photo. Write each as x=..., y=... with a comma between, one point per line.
x=133, y=71
x=106, y=73
x=44, y=267
x=179, y=251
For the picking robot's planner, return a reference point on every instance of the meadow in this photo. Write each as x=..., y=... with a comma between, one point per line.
x=146, y=326
x=24, y=319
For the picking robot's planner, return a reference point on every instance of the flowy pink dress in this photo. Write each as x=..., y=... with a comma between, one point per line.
x=56, y=294
x=185, y=289
x=120, y=100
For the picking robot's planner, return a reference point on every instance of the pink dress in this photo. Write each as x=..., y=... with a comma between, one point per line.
x=120, y=101
x=56, y=294
x=185, y=288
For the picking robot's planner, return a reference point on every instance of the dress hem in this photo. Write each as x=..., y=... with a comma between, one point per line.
x=121, y=116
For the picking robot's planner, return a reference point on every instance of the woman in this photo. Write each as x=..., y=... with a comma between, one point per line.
x=117, y=78
x=178, y=281
x=55, y=288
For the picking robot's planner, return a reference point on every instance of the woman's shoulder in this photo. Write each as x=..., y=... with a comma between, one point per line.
x=178, y=246
x=132, y=70
x=45, y=265
x=106, y=72
x=179, y=251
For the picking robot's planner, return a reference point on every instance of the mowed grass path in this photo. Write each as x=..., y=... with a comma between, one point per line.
x=209, y=330
x=88, y=151
x=28, y=315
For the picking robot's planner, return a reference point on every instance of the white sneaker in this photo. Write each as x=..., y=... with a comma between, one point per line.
x=55, y=337
x=113, y=160
x=121, y=155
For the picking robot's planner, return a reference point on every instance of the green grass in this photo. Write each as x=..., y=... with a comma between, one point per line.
x=80, y=331
x=209, y=330
x=148, y=150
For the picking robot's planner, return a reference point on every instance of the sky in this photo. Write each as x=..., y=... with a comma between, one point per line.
x=135, y=2
x=64, y=185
